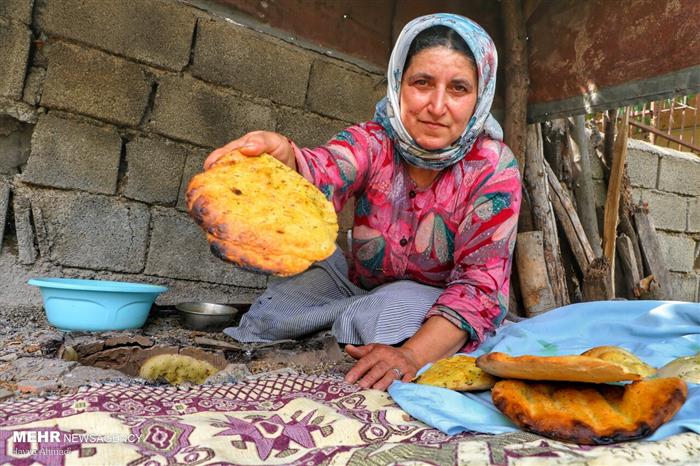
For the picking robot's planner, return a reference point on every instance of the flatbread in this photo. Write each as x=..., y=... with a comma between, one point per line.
x=261, y=215
x=686, y=368
x=621, y=356
x=590, y=414
x=555, y=368
x=457, y=372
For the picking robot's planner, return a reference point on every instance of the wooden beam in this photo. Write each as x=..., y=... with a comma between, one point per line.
x=532, y=273
x=583, y=184
x=516, y=74
x=542, y=213
x=569, y=221
x=612, y=200
x=651, y=252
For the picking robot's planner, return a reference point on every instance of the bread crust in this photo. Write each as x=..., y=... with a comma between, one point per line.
x=592, y=414
x=261, y=215
x=555, y=368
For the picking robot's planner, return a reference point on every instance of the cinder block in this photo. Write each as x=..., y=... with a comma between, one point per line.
x=93, y=83
x=340, y=93
x=27, y=252
x=642, y=164
x=251, y=62
x=678, y=250
x=694, y=215
x=20, y=10
x=667, y=210
x=684, y=286
x=307, y=129
x=4, y=204
x=679, y=173
x=152, y=31
x=73, y=155
x=15, y=142
x=193, y=165
x=190, y=110
x=179, y=250
x=154, y=170
x=14, y=52
x=92, y=231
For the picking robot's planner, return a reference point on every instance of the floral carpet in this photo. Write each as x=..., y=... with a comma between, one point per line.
x=276, y=419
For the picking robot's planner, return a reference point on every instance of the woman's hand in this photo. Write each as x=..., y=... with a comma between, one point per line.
x=379, y=365
x=256, y=143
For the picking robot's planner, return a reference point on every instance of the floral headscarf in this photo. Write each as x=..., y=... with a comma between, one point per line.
x=388, y=109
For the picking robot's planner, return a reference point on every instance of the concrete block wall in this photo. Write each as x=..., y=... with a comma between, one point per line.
x=668, y=182
x=107, y=109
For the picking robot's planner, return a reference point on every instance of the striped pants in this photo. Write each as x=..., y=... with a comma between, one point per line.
x=323, y=298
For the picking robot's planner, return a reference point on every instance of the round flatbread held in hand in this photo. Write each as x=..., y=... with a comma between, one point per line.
x=261, y=215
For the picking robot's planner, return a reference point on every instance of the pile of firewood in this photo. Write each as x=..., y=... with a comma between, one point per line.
x=566, y=250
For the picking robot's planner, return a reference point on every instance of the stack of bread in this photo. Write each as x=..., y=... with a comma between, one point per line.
x=604, y=395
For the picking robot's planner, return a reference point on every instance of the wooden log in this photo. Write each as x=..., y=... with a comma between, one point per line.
x=612, y=200
x=532, y=272
x=583, y=184
x=542, y=213
x=597, y=284
x=628, y=263
x=569, y=221
x=518, y=82
x=554, y=147
x=627, y=229
x=651, y=254
x=609, y=119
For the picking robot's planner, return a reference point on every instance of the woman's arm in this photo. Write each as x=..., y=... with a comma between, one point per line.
x=437, y=338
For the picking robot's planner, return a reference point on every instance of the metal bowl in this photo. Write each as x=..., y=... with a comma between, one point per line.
x=206, y=316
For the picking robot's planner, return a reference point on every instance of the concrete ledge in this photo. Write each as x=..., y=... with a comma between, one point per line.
x=642, y=163
x=307, y=129
x=340, y=93
x=179, y=250
x=193, y=165
x=93, y=83
x=154, y=170
x=680, y=173
x=190, y=110
x=678, y=250
x=21, y=10
x=250, y=62
x=73, y=155
x=151, y=31
x=92, y=231
x=14, y=52
x=668, y=210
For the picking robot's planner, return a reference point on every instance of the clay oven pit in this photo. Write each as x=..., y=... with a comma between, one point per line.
x=39, y=359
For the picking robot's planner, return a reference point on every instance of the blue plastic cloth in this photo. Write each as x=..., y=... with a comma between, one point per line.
x=656, y=331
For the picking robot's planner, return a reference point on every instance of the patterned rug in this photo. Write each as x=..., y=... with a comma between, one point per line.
x=279, y=419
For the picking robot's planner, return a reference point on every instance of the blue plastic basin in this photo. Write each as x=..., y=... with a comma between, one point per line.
x=96, y=305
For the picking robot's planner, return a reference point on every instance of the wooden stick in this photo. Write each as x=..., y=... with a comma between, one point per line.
x=569, y=221
x=597, y=284
x=583, y=186
x=612, y=201
x=628, y=263
x=652, y=255
x=542, y=213
x=532, y=273
x=518, y=82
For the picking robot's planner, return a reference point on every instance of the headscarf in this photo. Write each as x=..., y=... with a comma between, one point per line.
x=388, y=112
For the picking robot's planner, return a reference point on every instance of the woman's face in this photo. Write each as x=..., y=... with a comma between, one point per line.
x=438, y=96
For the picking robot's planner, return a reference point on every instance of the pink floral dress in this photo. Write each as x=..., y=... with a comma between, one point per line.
x=457, y=234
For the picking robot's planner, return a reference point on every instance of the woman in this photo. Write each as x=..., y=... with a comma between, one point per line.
x=437, y=200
